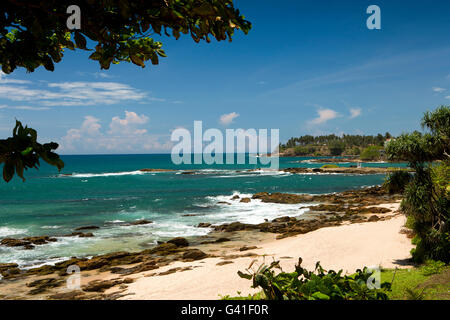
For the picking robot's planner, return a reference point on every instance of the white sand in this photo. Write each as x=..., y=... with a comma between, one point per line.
x=346, y=247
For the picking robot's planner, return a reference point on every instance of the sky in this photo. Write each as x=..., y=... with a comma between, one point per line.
x=306, y=67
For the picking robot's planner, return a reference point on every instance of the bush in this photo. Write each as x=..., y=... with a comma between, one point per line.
x=396, y=182
x=427, y=201
x=432, y=267
x=316, y=285
x=427, y=195
x=370, y=153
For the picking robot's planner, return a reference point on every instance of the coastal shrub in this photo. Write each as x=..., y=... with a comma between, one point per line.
x=427, y=195
x=396, y=181
x=313, y=285
x=370, y=153
x=429, y=206
x=329, y=166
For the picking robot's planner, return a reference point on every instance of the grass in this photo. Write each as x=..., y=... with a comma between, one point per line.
x=426, y=282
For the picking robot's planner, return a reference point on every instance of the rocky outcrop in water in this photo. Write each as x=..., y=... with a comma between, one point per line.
x=347, y=170
x=27, y=242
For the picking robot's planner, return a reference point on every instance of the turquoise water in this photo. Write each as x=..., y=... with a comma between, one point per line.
x=109, y=190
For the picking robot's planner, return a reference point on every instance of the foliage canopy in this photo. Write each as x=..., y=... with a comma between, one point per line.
x=22, y=151
x=36, y=33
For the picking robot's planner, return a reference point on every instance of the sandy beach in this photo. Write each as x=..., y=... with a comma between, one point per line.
x=346, y=247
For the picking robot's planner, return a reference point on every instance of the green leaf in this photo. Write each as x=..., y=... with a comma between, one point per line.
x=137, y=61
x=27, y=151
x=320, y=296
x=245, y=275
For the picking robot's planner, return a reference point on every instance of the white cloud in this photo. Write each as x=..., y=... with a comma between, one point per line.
x=70, y=93
x=438, y=89
x=102, y=75
x=324, y=115
x=355, y=112
x=24, y=107
x=91, y=126
x=124, y=135
x=447, y=97
x=128, y=125
x=228, y=118
x=3, y=79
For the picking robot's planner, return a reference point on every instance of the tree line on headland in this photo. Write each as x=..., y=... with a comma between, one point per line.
x=368, y=147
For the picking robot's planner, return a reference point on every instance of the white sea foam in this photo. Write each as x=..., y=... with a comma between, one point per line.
x=7, y=231
x=178, y=229
x=253, y=212
x=115, y=221
x=106, y=174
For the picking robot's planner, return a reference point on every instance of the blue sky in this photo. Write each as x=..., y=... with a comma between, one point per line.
x=306, y=67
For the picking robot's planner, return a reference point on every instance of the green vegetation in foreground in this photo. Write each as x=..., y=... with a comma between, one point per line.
x=22, y=152
x=431, y=281
x=426, y=195
x=419, y=283
x=37, y=34
x=311, y=285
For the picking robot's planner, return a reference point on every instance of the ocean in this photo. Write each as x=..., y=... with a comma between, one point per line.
x=109, y=191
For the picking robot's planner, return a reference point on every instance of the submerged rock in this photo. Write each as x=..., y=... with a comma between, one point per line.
x=79, y=234
x=87, y=228
x=203, y=225
x=140, y=222
x=27, y=241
